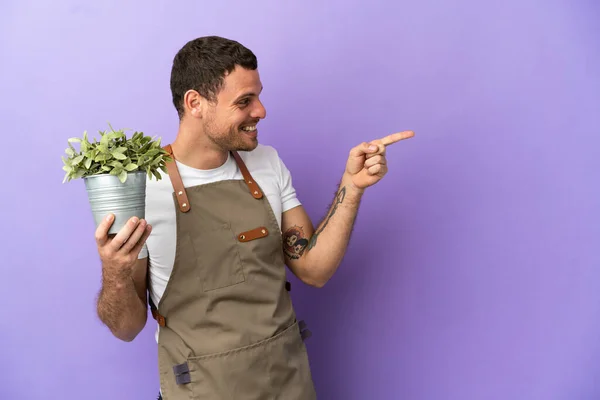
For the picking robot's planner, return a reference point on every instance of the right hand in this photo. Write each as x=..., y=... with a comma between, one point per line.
x=120, y=253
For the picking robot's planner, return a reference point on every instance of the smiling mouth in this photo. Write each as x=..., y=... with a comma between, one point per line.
x=249, y=128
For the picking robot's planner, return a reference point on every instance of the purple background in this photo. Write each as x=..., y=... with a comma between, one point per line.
x=473, y=272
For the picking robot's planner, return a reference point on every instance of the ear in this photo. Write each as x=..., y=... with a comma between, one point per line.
x=194, y=104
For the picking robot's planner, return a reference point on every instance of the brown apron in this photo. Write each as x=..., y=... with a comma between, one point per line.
x=228, y=329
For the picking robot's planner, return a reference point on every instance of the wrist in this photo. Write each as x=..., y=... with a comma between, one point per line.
x=351, y=189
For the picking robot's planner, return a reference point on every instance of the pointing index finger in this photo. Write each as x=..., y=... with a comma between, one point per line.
x=396, y=137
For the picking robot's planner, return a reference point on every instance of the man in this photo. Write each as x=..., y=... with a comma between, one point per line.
x=221, y=226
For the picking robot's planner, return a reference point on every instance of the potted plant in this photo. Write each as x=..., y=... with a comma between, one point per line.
x=114, y=170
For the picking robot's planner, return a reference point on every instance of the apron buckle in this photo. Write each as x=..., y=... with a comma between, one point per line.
x=182, y=374
x=304, y=333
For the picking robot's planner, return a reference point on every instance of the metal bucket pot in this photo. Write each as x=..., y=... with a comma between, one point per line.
x=108, y=195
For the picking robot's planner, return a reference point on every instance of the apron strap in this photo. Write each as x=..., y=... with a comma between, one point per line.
x=182, y=199
x=155, y=314
x=254, y=189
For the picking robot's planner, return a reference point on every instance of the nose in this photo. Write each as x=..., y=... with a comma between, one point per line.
x=259, y=111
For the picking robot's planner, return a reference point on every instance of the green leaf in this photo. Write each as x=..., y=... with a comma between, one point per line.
x=70, y=152
x=119, y=156
x=74, y=140
x=120, y=149
x=79, y=174
x=113, y=135
x=123, y=176
x=115, y=164
x=106, y=168
x=102, y=157
x=88, y=163
x=152, y=153
x=131, y=167
x=77, y=160
x=144, y=148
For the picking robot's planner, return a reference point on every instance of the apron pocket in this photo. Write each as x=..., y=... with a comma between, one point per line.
x=275, y=368
x=235, y=376
x=218, y=258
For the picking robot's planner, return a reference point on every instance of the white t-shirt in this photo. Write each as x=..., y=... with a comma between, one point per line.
x=264, y=165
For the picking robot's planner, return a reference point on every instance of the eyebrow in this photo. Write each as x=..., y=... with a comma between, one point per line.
x=247, y=94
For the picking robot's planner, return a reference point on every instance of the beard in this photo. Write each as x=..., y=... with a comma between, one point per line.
x=230, y=139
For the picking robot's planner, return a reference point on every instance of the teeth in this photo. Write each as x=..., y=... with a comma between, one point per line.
x=249, y=128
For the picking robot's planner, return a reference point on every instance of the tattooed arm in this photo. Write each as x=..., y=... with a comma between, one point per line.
x=314, y=256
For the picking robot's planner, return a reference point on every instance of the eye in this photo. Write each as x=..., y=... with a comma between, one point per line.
x=244, y=102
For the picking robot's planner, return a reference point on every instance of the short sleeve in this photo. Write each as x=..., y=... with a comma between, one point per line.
x=289, y=199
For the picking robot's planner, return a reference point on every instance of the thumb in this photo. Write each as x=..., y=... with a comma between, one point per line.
x=362, y=149
x=102, y=229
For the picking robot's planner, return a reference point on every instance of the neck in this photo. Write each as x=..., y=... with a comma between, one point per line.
x=196, y=150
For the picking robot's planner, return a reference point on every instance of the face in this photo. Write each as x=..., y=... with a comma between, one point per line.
x=291, y=240
x=231, y=123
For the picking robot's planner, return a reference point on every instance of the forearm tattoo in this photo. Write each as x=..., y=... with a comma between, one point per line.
x=294, y=242
x=338, y=200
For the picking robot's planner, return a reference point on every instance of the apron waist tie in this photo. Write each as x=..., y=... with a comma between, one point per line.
x=155, y=314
